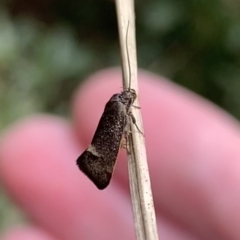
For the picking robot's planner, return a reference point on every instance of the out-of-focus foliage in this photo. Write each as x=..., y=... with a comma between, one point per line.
x=9, y=214
x=48, y=47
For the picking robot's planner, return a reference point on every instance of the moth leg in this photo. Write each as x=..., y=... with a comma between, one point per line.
x=136, y=106
x=125, y=144
x=126, y=134
x=134, y=122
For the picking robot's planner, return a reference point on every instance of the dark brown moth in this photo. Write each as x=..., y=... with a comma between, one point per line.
x=99, y=159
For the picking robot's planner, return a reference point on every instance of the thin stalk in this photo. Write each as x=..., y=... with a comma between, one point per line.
x=140, y=185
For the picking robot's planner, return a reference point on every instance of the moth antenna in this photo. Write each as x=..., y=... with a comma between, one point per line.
x=128, y=59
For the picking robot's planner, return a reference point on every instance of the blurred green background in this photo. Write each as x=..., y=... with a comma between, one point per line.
x=48, y=47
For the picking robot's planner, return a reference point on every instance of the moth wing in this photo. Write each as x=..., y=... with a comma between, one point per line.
x=96, y=168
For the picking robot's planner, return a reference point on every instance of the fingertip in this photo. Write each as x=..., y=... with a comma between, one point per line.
x=34, y=147
x=38, y=166
x=192, y=147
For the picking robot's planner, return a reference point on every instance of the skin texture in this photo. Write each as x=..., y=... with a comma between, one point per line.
x=193, y=152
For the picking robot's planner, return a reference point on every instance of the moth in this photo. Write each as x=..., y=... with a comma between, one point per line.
x=99, y=159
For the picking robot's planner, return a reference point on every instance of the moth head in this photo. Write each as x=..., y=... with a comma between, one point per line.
x=126, y=97
x=129, y=95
